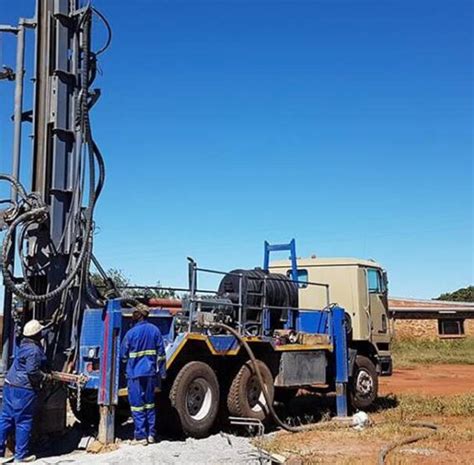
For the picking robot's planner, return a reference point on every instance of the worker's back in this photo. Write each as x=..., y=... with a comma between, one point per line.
x=142, y=347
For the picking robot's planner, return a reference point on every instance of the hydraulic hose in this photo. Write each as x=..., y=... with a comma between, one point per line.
x=268, y=400
x=8, y=277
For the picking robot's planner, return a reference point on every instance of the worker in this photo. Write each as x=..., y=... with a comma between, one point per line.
x=144, y=352
x=20, y=392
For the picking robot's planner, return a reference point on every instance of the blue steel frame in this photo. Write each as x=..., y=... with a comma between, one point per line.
x=291, y=247
x=110, y=358
x=341, y=358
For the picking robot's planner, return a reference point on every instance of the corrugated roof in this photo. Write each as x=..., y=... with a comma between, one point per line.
x=401, y=304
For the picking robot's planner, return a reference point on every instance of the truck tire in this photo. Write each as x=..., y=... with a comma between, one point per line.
x=245, y=398
x=195, y=397
x=364, y=383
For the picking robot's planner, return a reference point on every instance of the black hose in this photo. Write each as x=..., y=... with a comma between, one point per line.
x=109, y=31
x=268, y=400
x=296, y=429
x=410, y=440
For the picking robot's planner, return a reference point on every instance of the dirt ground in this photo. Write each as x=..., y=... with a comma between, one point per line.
x=436, y=394
x=431, y=380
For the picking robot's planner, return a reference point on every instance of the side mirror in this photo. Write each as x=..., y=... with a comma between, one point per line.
x=385, y=280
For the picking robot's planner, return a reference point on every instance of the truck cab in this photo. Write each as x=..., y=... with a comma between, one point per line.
x=360, y=287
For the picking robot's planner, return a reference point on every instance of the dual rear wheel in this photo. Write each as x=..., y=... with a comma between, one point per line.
x=195, y=396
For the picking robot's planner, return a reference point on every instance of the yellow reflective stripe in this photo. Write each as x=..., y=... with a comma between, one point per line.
x=142, y=353
x=143, y=407
x=163, y=357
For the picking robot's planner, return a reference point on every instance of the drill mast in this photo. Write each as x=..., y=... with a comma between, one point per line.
x=51, y=227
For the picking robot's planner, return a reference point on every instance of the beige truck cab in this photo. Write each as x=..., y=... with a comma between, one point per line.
x=360, y=287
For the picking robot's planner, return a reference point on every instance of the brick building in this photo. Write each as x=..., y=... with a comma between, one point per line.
x=431, y=319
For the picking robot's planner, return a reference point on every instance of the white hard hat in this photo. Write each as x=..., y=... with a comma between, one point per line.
x=32, y=328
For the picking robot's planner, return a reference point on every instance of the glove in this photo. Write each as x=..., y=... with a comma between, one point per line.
x=48, y=378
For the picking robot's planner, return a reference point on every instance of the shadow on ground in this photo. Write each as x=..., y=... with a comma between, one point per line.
x=303, y=409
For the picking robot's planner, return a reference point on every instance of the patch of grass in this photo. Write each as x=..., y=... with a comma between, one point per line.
x=409, y=352
x=392, y=420
x=451, y=406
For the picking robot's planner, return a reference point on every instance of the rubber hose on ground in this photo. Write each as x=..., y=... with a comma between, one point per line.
x=410, y=440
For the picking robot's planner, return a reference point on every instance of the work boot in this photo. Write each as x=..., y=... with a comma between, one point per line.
x=7, y=459
x=139, y=442
x=151, y=440
x=30, y=458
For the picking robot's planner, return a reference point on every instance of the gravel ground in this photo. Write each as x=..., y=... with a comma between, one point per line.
x=217, y=449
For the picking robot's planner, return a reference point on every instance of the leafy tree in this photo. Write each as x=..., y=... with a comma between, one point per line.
x=124, y=284
x=465, y=294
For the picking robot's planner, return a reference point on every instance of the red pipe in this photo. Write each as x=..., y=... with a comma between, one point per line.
x=165, y=303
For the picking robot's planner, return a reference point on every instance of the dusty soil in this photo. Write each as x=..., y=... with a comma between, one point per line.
x=452, y=444
x=431, y=380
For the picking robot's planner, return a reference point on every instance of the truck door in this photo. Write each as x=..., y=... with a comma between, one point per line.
x=377, y=296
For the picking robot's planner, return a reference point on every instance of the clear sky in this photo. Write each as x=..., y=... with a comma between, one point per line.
x=345, y=124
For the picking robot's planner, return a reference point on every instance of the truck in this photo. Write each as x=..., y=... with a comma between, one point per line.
x=299, y=336
x=361, y=288
x=231, y=352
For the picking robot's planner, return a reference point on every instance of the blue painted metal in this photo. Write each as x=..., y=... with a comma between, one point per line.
x=223, y=343
x=341, y=359
x=312, y=322
x=110, y=357
x=90, y=346
x=291, y=247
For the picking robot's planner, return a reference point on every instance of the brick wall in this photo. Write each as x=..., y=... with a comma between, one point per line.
x=469, y=327
x=425, y=328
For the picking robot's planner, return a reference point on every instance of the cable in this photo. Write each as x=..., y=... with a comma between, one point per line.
x=109, y=31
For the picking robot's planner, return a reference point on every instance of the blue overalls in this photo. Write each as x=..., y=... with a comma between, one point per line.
x=20, y=395
x=144, y=351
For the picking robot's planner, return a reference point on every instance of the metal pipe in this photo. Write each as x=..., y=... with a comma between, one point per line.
x=17, y=121
x=18, y=112
x=164, y=302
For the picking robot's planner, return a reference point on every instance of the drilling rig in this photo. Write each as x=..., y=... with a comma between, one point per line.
x=261, y=336
x=48, y=243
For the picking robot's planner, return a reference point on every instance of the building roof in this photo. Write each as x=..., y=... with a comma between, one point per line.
x=404, y=305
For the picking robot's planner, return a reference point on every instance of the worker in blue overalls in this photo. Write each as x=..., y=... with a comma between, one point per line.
x=20, y=392
x=144, y=352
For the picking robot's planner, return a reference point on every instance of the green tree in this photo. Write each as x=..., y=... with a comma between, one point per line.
x=465, y=294
x=124, y=284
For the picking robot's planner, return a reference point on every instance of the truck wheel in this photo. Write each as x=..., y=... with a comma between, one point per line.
x=364, y=383
x=195, y=396
x=245, y=398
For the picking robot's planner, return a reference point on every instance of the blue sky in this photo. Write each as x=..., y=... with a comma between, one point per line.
x=345, y=124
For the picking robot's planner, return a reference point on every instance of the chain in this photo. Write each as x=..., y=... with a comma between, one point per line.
x=78, y=393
